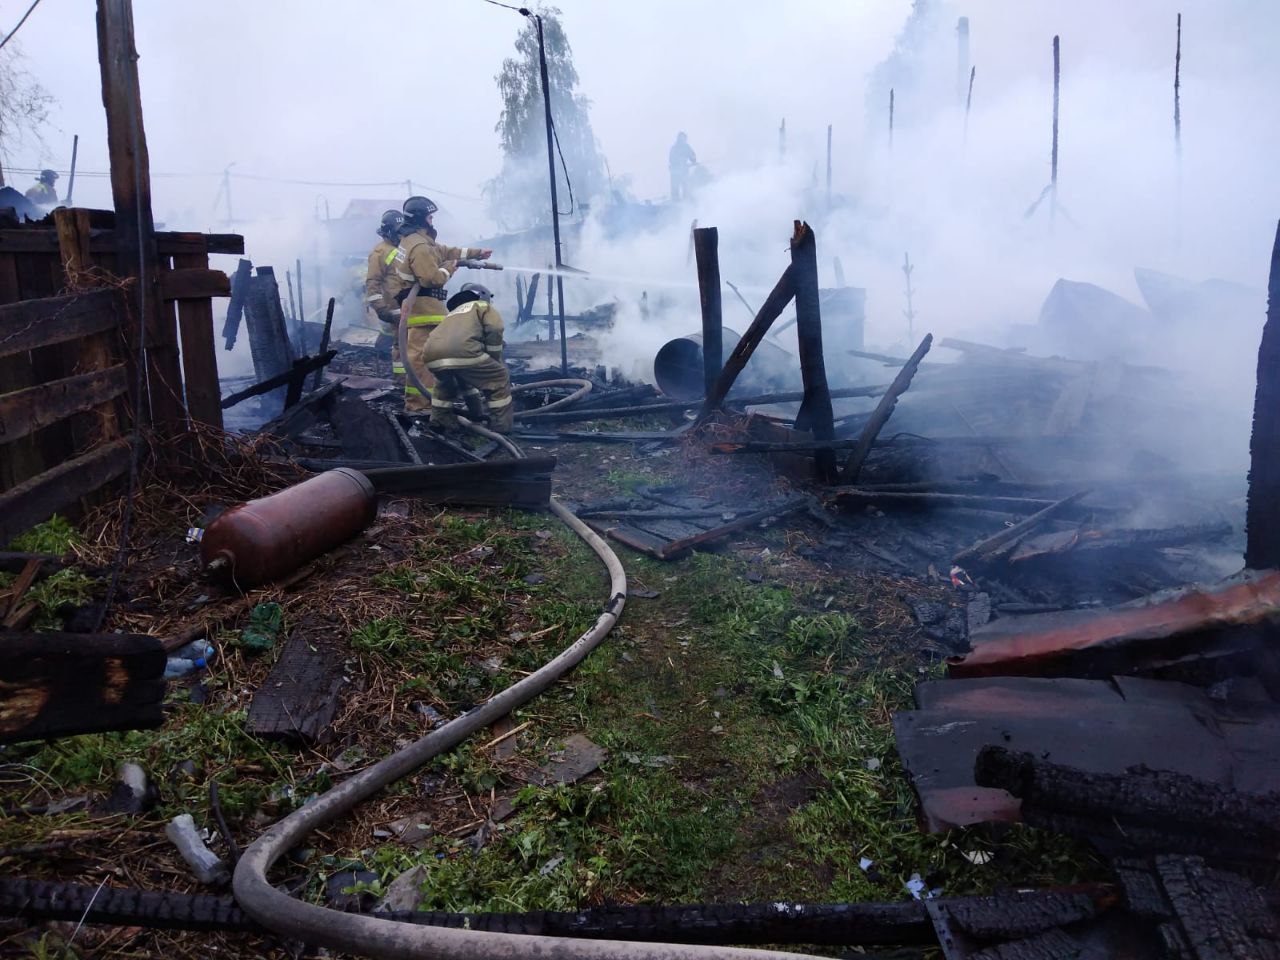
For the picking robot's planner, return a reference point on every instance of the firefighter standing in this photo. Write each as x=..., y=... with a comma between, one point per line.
x=383, y=286
x=419, y=259
x=680, y=160
x=42, y=191
x=464, y=355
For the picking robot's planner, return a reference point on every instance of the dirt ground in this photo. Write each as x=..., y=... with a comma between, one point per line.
x=743, y=704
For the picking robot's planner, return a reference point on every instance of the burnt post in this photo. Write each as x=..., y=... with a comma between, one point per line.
x=968, y=102
x=153, y=327
x=815, y=410
x=1262, y=524
x=706, y=243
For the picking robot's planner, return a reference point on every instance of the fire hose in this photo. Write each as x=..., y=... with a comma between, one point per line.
x=375, y=937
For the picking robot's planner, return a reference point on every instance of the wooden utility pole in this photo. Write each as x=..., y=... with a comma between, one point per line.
x=1262, y=521
x=706, y=243
x=1053, y=166
x=152, y=321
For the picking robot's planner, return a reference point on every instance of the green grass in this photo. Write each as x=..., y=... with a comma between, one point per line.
x=709, y=700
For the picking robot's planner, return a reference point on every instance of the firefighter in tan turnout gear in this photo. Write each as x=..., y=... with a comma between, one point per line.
x=383, y=286
x=419, y=259
x=464, y=355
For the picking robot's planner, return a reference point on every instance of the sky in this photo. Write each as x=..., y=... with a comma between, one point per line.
x=359, y=93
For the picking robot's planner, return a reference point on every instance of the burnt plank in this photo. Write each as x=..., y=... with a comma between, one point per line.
x=172, y=243
x=23, y=412
x=815, y=410
x=199, y=356
x=301, y=694
x=884, y=410
x=677, y=547
x=60, y=684
x=38, y=498
x=504, y=482
x=193, y=282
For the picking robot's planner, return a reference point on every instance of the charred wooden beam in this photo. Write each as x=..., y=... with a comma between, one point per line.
x=781, y=294
x=986, y=546
x=884, y=410
x=1262, y=550
x=302, y=692
x=240, y=282
x=815, y=410
x=855, y=499
x=296, y=375
x=324, y=340
x=60, y=684
x=706, y=242
x=1141, y=809
x=524, y=483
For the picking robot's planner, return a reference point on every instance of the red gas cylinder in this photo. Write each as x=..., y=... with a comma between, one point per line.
x=268, y=538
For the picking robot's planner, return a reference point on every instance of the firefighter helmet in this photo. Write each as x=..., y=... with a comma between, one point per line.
x=417, y=209
x=389, y=228
x=48, y=176
x=469, y=292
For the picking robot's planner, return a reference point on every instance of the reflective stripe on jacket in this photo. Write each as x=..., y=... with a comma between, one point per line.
x=467, y=336
x=419, y=259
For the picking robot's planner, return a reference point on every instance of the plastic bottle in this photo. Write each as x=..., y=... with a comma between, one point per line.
x=177, y=667
x=195, y=650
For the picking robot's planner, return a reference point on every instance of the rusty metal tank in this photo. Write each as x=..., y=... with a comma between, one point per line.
x=264, y=539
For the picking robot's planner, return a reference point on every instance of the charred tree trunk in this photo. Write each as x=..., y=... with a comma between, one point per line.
x=1262, y=550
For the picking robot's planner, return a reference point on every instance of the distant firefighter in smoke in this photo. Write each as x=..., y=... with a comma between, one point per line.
x=383, y=286
x=465, y=356
x=680, y=160
x=43, y=190
x=419, y=259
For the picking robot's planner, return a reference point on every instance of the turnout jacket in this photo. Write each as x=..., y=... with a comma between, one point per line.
x=466, y=337
x=420, y=259
x=382, y=284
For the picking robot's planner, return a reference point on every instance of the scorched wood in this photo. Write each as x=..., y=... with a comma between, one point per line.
x=60, y=684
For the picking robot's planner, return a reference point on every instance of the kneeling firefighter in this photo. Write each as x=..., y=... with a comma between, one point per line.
x=464, y=355
x=383, y=287
x=419, y=259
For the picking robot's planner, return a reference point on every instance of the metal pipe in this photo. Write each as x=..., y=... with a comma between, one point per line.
x=678, y=367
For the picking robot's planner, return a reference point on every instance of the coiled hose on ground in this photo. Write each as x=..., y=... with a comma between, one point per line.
x=375, y=937
x=584, y=388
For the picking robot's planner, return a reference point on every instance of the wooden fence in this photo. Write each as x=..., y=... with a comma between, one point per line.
x=68, y=356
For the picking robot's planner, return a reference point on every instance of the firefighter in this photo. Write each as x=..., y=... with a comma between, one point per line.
x=680, y=161
x=42, y=191
x=419, y=259
x=464, y=355
x=382, y=285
